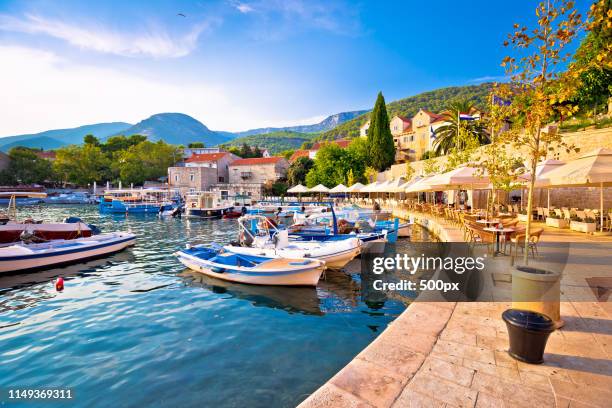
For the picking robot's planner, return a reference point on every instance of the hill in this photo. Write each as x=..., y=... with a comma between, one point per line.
x=52, y=139
x=176, y=128
x=434, y=101
x=276, y=141
x=326, y=124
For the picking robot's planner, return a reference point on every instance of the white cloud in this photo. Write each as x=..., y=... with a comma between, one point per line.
x=244, y=8
x=155, y=42
x=42, y=91
x=490, y=78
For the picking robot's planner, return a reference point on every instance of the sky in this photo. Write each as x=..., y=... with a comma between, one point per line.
x=237, y=64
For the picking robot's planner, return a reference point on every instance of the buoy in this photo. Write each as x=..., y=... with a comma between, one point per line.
x=59, y=284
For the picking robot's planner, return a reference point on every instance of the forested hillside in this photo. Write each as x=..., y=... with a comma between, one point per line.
x=275, y=142
x=434, y=101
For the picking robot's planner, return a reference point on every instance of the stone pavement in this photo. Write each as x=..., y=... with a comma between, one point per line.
x=455, y=354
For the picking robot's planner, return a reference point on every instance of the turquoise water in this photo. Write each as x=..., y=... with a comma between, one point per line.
x=138, y=329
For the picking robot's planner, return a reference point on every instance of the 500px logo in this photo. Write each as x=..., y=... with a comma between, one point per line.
x=413, y=264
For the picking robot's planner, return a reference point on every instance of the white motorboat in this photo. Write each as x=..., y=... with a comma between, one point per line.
x=207, y=204
x=269, y=242
x=23, y=257
x=238, y=268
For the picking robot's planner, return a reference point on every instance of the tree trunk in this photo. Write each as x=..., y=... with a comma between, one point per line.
x=535, y=158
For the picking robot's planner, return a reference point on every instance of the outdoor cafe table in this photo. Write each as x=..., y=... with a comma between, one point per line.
x=488, y=222
x=498, y=232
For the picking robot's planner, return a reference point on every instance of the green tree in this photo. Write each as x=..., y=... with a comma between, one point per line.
x=26, y=167
x=91, y=139
x=331, y=166
x=245, y=151
x=592, y=64
x=196, y=145
x=350, y=178
x=409, y=172
x=146, y=161
x=370, y=174
x=287, y=153
x=380, y=140
x=296, y=174
x=540, y=85
x=82, y=164
x=448, y=135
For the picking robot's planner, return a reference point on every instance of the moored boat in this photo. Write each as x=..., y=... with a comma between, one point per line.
x=206, y=204
x=238, y=268
x=276, y=244
x=22, y=257
x=138, y=201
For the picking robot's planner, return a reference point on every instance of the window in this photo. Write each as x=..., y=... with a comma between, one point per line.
x=176, y=177
x=191, y=177
x=224, y=194
x=221, y=179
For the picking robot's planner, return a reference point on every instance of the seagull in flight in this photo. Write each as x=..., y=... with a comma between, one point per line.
x=181, y=14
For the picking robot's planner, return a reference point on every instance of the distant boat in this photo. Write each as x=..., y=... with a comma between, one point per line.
x=138, y=201
x=22, y=257
x=206, y=204
x=71, y=198
x=238, y=268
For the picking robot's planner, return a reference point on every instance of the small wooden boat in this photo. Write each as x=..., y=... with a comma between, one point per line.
x=206, y=204
x=27, y=257
x=237, y=268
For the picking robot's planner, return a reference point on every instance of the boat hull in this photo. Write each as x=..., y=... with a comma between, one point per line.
x=69, y=255
x=336, y=260
x=304, y=277
x=210, y=213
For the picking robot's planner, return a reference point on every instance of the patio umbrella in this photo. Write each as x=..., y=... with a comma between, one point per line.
x=355, y=188
x=299, y=189
x=593, y=169
x=541, y=169
x=319, y=188
x=340, y=188
x=466, y=176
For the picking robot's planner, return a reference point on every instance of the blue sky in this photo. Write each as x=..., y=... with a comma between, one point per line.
x=237, y=64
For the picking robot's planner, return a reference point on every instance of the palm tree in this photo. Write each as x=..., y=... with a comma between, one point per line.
x=447, y=136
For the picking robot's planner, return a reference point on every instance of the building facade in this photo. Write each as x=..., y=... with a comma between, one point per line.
x=200, y=171
x=259, y=170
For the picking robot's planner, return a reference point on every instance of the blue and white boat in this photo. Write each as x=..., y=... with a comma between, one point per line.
x=251, y=270
x=260, y=238
x=138, y=201
x=22, y=257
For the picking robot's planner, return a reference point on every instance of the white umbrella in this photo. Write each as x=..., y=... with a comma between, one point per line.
x=370, y=188
x=541, y=170
x=420, y=185
x=355, y=188
x=593, y=169
x=460, y=177
x=319, y=188
x=340, y=188
x=298, y=189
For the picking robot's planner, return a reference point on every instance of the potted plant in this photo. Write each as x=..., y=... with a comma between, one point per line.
x=585, y=224
x=523, y=215
x=555, y=220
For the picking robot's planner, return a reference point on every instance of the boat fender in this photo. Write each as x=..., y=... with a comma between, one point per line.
x=59, y=284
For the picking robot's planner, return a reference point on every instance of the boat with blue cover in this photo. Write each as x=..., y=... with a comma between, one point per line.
x=138, y=201
x=239, y=268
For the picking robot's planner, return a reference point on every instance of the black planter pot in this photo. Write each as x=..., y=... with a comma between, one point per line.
x=528, y=332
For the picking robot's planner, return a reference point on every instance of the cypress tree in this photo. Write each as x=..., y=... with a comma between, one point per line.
x=380, y=140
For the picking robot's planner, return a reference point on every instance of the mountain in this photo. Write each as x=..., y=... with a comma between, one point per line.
x=176, y=128
x=276, y=141
x=52, y=139
x=434, y=101
x=326, y=124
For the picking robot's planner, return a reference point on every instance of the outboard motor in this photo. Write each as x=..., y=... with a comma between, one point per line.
x=95, y=230
x=72, y=220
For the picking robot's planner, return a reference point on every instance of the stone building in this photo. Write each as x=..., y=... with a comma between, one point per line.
x=200, y=171
x=259, y=170
x=312, y=153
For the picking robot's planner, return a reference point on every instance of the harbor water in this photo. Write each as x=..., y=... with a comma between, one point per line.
x=138, y=329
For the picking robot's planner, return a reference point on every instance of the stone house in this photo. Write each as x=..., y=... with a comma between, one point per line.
x=200, y=171
x=258, y=170
x=312, y=153
x=363, y=129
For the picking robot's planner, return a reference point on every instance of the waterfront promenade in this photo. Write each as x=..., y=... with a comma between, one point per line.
x=441, y=354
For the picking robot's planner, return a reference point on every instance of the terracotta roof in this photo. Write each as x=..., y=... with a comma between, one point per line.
x=256, y=161
x=299, y=153
x=404, y=119
x=342, y=143
x=206, y=157
x=46, y=155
